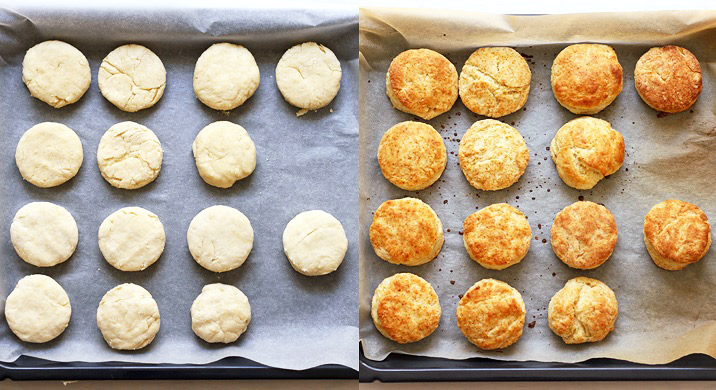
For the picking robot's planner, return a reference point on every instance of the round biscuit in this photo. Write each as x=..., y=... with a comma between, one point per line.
x=497, y=236
x=132, y=78
x=583, y=311
x=668, y=78
x=584, y=235
x=56, y=73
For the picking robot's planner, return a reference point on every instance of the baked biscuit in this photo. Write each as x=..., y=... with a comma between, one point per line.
x=405, y=308
x=495, y=81
x=676, y=234
x=493, y=155
x=586, y=78
x=585, y=150
x=421, y=82
x=491, y=314
x=406, y=231
x=412, y=155
x=584, y=235
x=583, y=311
x=497, y=236
x=668, y=78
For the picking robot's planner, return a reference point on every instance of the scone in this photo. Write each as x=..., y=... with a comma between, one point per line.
x=422, y=82
x=128, y=317
x=132, y=78
x=676, y=234
x=668, y=78
x=224, y=153
x=583, y=311
x=412, y=155
x=129, y=155
x=44, y=234
x=585, y=150
x=225, y=76
x=131, y=238
x=405, y=308
x=406, y=231
x=220, y=314
x=56, y=73
x=49, y=154
x=584, y=235
x=315, y=243
x=586, y=78
x=38, y=309
x=497, y=236
x=491, y=314
x=493, y=155
x=220, y=238
x=495, y=81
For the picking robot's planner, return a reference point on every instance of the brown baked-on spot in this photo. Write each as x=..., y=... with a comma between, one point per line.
x=584, y=235
x=408, y=309
x=668, y=78
x=497, y=236
x=678, y=231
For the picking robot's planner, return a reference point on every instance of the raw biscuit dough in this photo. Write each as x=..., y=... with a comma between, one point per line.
x=315, y=243
x=128, y=317
x=132, y=78
x=220, y=238
x=38, y=309
x=44, y=234
x=224, y=153
x=56, y=73
x=225, y=76
x=131, y=239
x=129, y=155
x=48, y=154
x=220, y=314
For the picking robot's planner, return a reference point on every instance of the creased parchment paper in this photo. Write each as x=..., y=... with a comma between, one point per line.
x=663, y=315
x=302, y=164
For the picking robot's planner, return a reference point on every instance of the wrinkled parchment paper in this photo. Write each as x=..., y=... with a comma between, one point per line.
x=302, y=164
x=663, y=315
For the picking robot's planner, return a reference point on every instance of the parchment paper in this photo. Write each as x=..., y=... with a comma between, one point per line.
x=663, y=315
x=302, y=164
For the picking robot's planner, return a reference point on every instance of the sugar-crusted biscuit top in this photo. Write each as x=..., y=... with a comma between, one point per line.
x=668, y=78
x=584, y=310
x=497, y=236
x=584, y=235
x=677, y=231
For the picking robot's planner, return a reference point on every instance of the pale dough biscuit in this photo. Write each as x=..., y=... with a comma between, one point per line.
x=131, y=238
x=49, y=154
x=129, y=155
x=405, y=308
x=220, y=314
x=491, y=314
x=676, y=234
x=406, y=231
x=224, y=153
x=412, y=155
x=668, y=78
x=493, y=155
x=220, y=238
x=308, y=76
x=583, y=311
x=225, y=76
x=44, y=234
x=132, y=78
x=38, y=309
x=495, y=81
x=128, y=317
x=497, y=236
x=584, y=235
x=315, y=243
x=56, y=73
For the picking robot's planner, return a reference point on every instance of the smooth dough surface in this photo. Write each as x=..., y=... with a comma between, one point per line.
x=132, y=78
x=225, y=76
x=56, y=73
x=224, y=153
x=129, y=155
x=128, y=317
x=220, y=238
x=49, y=154
x=44, y=234
x=38, y=309
x=220, y=314
x=315, y=243
x=308, y=76
x=584, y=310
x=131, y=238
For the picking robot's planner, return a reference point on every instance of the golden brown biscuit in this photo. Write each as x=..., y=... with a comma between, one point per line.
x=491, y=314
x=584, y=235
x=421, y=82
x=493, y=155
x=412, y=155
x=495, y=81
x=406, y=231
x=676, y=234
x=668, y=78
x=405, y=308
x=586, y=78
x=584, y=310
x=585, y=150
x=497, y=236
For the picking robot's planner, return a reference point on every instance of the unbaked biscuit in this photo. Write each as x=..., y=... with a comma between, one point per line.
x=585, y=150
x=495, y=81
x=668, y=78
x=586, y=78
x=584, y=235
x=497, y=236
x=49, y=154
x=129, y=155
x=128, y=317
x=38, y=309
x=412, y=155
x=583, y=311
x=56, y=73
x=224, y=153
x=491, y=314
x=676, y=234
x=220, y=238
x=315, y=243
x=44, y=234
x=422, y=82
x=132, y=78
x=220, y=314
x=405, y=308
x=493, y=155
x=225, y=76
x=131, y=238
x=406, y=231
